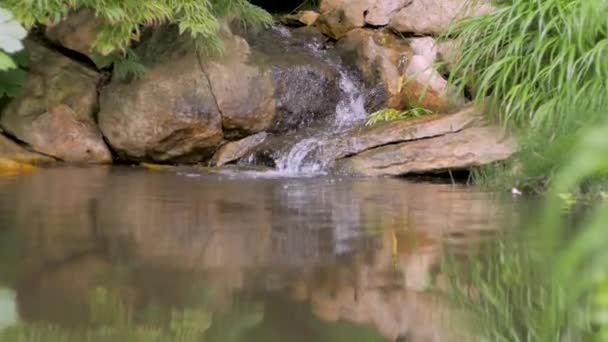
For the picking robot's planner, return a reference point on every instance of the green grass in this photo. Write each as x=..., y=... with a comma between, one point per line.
x=542, y=68
x=391, y=114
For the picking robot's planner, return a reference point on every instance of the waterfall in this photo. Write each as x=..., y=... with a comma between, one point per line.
x=301, y=157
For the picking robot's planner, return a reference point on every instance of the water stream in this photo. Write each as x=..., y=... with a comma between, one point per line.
x=349, y=111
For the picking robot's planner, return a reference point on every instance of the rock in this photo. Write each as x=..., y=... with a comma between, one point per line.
x=362, y=139
x=235, y=150
x=423, y=85
x=470, y=147
x=424, y=46
x=61, y=134
x=55, y=114
x=77, y=31
x=380, y=58
x=245, y=93
x=301, y=18
x=340, y=16
x=169, y=114
x=401, y=69
x=306, y=83
x=381, y=11
x=9, y=150
x=446, y=53
x=435, y=16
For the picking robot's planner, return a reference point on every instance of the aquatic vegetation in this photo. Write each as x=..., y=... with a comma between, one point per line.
x=391, y=114
x=542, y=68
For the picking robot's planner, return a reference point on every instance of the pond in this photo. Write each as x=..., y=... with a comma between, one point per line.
x=124, y=253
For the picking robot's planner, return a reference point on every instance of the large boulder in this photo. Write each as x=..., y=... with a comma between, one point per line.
x=55, y=114
x=186, y=103
x=435, y=16
x=178, y=109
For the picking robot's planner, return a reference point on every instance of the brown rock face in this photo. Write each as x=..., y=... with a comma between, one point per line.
x=76, y=32
x=380, y=57
x=169, y=113
x=55, y=113
x=400, y=131
x=380, y=12
x=302, y=18
x=181, y=108
x=237, y=149
x=340, y=16
x=403, y=69
x=464, y=149
x=60, y=133
x=244, y=92
x=435, y=16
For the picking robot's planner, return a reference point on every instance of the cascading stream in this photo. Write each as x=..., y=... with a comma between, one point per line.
x=350, y=110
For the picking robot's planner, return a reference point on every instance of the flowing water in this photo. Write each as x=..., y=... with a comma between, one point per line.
x=350, y=111
x=126, y=254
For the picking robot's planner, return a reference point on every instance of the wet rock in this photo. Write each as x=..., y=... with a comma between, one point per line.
x=435, y=16
x=340, y=16
x=306, y=82
x=9, y=150
x=235, y=150
x=380, y=57
x=77, y=31
x=381, y=11
x=55, y=114
x=301, y=18
x=470, y=147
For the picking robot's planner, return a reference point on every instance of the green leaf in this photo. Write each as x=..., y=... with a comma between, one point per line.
x=6, y=62
x=11, y=82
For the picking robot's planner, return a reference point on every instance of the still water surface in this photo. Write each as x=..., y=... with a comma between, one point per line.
x=192, y=256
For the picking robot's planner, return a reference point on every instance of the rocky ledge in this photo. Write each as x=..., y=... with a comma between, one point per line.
x=271, y=89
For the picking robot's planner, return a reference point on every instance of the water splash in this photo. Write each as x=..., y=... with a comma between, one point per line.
x=351, y=108
x=299, y=160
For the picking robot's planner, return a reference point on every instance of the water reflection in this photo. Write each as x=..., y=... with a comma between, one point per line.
x=245, y=259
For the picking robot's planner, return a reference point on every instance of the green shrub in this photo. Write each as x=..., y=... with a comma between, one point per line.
x=542, y=67
x=125, y=19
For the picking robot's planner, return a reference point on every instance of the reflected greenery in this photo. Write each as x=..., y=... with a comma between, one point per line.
x=548, y=282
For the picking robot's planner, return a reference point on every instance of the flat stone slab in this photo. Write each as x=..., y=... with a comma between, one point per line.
x=470, y=147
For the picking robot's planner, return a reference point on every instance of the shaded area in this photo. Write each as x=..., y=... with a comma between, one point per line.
x=281, y=6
